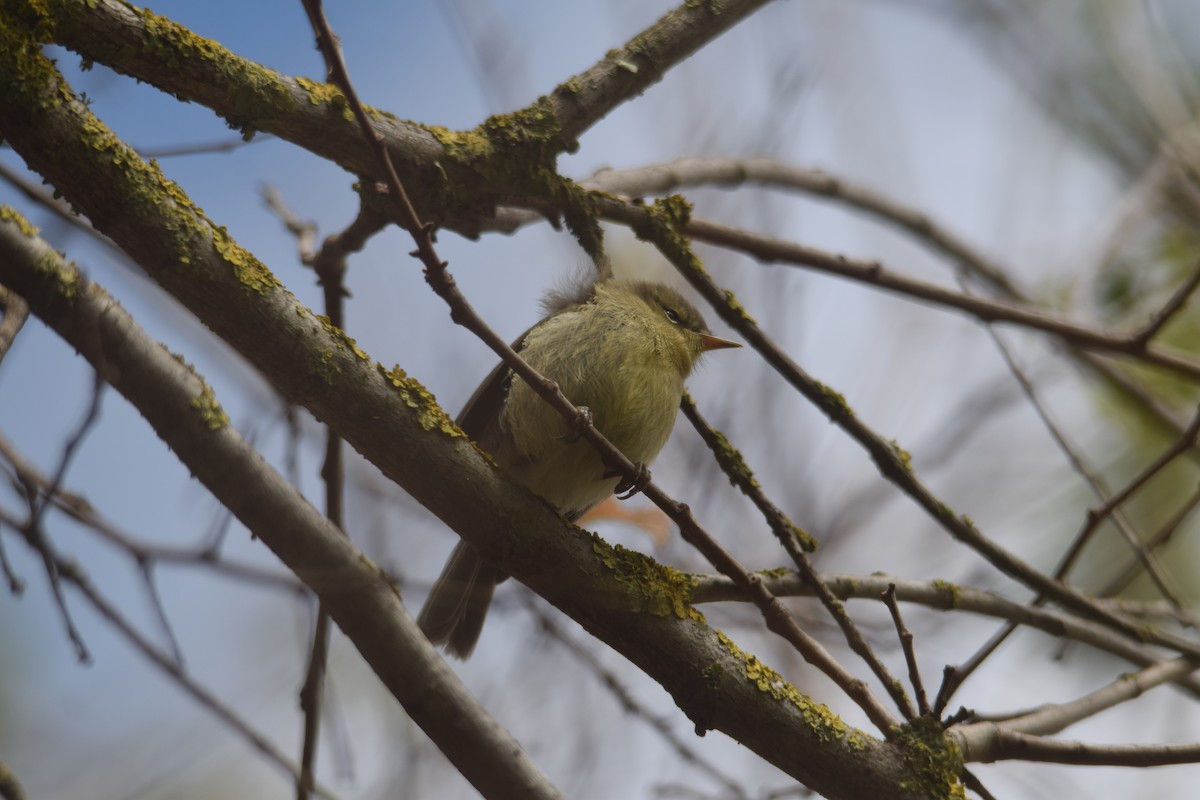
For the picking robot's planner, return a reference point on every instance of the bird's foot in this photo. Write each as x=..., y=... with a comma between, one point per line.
x=630, y=486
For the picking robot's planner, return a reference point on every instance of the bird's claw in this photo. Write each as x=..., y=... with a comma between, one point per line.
x=628, y=487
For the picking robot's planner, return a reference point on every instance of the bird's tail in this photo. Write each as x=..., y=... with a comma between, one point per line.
x=454, y=612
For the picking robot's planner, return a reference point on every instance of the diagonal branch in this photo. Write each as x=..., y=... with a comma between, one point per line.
x=631, y=69
x=945, y=596
x=1056, y=717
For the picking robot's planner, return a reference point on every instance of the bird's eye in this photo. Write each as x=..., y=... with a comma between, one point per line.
x=672, y=315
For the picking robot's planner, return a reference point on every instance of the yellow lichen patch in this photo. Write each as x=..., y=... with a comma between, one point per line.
x=255, y=93
x=902, y=454
x=933, y=760
x=430, y=415
x=949, y=592
x=833, y=403
x=10, y=214
x=653, y=587
x=30, y=79
x=213, y=416
x=343, y=338
x=250, y=272
x=60, y=279
x=824, y=723
x=736, y=307
x=328, y=94
x=325, y=365
x=319, y=93
x=468, y=148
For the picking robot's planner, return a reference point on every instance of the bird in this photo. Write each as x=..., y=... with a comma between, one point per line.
x=619, y=350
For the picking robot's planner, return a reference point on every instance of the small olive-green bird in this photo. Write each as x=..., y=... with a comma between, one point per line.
x=620, y=348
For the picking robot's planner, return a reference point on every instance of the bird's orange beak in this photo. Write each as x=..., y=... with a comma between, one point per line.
x=716, y=342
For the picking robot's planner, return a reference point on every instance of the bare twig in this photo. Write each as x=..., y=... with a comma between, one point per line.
x=34, y=530
x=81, y=510
x=205, y=148
x=1144, y=554
x=972, y=782
x=35, y=535
x=794, y=541
x=682, y=173
x=906, y=644
x=626, y=72
x=944, y=597
x=1169, y=309
x=1056, y=717
x=955, y=676
x=872, y=273
x=1096, y=516
x=991, y=742
x=38, y=506
x=1160, y=538
x=15, y=584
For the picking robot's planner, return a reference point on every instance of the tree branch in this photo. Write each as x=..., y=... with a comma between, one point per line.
x=945, y=596
x=994, y=743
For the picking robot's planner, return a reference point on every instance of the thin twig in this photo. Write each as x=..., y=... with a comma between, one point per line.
x=38, y=506
x=1095, y=482
x=994, y=743
x=205, y=148
x=1172, y=307
x=972, y=782
x=81, y=510
x=794, y=541
x=660, y=179
x=1160, y=538
x=872, y=273
x=35, y=536
x=15, y=584
x=944, y=596
x=955, y=676
x=1096, y=516
x=1053, y=718
x=906, y=644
